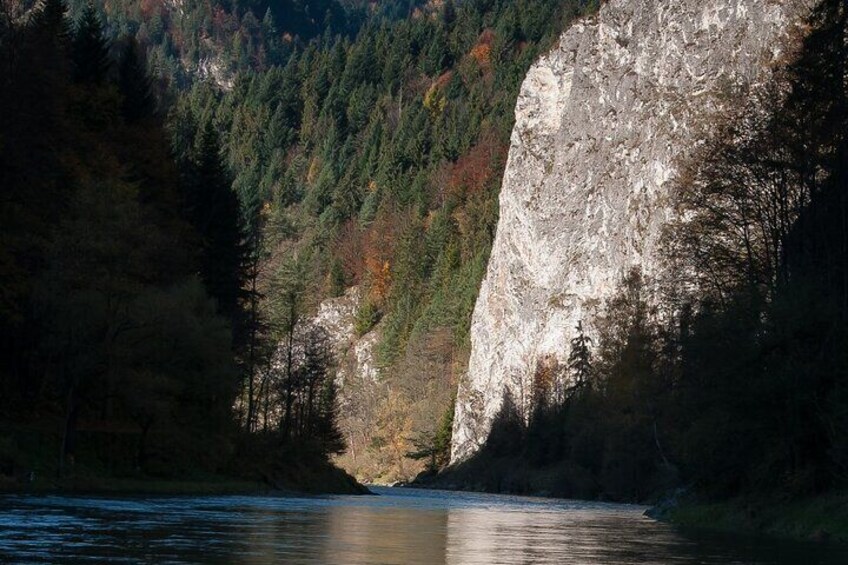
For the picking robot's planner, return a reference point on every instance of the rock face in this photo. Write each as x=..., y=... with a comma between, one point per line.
x=357, y=376
x=602, y=123
x=354, y=355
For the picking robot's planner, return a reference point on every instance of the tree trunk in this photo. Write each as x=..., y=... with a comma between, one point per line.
x=69, y=431
x=141, y=449
x=287, y=416
x=251, y=358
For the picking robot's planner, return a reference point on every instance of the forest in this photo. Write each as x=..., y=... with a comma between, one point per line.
x=262, y=168
x=125, y=331
x=375, y=162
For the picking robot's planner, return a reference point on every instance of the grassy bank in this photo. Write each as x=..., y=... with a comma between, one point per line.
x=822, y=518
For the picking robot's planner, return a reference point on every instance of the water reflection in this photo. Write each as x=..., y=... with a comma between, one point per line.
x=400, y=526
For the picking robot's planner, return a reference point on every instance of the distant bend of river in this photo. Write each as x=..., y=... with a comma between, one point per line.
x=399, y=526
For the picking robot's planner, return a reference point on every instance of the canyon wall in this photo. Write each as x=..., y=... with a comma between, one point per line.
x=603, y=121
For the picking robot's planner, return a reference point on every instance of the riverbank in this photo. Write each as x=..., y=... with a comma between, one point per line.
x=291, y=481
x=130, y=486
x=822, y=518
x=162, y=487
x=254, y=466
x=511, y=475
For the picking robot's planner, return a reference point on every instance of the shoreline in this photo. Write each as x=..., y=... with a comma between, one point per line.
x=822, y=519
x=131, y=487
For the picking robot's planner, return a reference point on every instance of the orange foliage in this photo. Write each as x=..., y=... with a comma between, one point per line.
x=365, y=254
x=381, y=278
x=377, y=249
x=472, y=172
x=443, y=80
x=150, y=7
x=483, y=55
x=482, y=50
x=544, y=379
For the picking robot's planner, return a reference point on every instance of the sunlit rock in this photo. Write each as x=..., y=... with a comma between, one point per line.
x=602, y=124
x=354, y=354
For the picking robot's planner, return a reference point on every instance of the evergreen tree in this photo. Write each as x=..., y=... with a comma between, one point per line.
x=53, y=18
x=135, y=85
x=328, y=433
x=215, y=213
x=90, y=48
x=580, y=358
x=449, y=13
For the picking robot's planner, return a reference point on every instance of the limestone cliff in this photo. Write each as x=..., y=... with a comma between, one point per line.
x=602, y=123
x=360, y=387
x=354, y=354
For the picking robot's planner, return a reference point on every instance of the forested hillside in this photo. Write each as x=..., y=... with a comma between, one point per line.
x=188, y=40
x=124, y=275
x=376, y=161
x=365, y=144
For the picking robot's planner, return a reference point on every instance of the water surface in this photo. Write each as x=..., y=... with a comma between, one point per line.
x=398, y=526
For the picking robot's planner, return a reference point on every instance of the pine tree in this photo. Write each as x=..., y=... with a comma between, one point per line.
x=135, y=85
x=580, y=358
x=215, y=213
x=53, y=18
x=329, y=434
x=449, y=13
x=91, y=48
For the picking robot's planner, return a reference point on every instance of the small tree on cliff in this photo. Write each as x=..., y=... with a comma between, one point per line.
x=580, y=360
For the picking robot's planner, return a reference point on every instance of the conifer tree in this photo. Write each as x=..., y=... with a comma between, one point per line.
x=53, y=18
x=449, y=13
x=580, y=358
x=329, y=434
x=214, y=211
x=90, y=48
x=135, y=85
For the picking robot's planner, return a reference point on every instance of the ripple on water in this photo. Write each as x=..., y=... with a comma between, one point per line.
x=399, y=526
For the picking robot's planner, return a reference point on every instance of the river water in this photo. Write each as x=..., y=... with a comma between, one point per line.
x=402, y=526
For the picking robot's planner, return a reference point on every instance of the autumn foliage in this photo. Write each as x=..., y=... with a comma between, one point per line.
x=474, y=171
x=482, y=50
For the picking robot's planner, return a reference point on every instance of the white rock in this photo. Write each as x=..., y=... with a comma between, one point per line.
x=601, y=123
x=354, y=355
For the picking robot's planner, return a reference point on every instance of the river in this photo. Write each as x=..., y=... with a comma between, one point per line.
x=402, y=526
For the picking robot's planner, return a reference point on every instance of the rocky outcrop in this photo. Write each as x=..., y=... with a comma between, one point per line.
x=354, y=354
x=602, y=123
x=211, y=68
